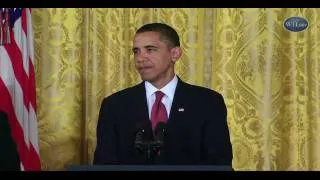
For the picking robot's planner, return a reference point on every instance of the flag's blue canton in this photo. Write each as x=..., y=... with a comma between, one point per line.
x=15, y=13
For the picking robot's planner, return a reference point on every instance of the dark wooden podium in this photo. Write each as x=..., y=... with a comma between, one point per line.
x=149, y=168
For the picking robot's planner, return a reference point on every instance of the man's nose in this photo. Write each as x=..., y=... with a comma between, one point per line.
x=141, y=57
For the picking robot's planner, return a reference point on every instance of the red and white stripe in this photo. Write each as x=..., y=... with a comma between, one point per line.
x=18, y=92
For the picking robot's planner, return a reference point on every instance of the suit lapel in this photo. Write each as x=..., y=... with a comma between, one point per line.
x=179, y=103
x=178, y=108
x=140, y=105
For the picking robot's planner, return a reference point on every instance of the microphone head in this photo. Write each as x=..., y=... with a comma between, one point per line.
x=160, y=133
x=139, y=136
x=142, y=135
x=140, y=125
x=161, y=128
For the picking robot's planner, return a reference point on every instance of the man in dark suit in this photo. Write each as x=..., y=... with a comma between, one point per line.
x=195, y=118
x=9, y=157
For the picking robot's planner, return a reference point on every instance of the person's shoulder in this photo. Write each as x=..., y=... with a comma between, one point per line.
x=205, y=97
x=201, y=90
x=4, y=124
x=3, y=117
x=2, y=114
x=124, y=93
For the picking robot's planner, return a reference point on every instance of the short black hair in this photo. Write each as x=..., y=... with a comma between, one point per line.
x=167, y=33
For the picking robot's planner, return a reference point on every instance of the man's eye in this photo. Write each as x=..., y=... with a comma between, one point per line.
x=135, y=51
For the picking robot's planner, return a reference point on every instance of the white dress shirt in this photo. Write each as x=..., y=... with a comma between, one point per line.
x=167, y=99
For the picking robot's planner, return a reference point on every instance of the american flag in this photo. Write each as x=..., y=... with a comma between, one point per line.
x=17, y=83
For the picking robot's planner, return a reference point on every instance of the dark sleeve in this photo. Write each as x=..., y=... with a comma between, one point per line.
x=106, y=149
x=9, y=156
x=216, y=133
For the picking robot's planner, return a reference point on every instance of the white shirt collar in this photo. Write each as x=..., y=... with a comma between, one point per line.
x=168, y=89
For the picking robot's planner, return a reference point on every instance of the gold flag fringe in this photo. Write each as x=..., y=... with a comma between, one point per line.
x=4, y=26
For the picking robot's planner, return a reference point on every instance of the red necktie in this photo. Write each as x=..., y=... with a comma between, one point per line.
x=158, y=112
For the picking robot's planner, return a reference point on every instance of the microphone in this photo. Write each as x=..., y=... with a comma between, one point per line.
x=139, y=142
x=160, y=133
x=145, y=145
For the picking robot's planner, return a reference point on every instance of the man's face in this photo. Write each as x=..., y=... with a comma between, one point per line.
x=154, y=60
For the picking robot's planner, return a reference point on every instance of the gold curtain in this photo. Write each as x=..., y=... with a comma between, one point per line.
x=269, y=76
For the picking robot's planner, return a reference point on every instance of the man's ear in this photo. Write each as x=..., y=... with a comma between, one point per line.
x=176, y=53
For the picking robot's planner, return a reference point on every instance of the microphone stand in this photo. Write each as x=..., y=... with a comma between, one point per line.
x=150, y=152
x=144, y=146
x=149, y=147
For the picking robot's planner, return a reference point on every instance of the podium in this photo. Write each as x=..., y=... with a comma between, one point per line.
x=149, y=168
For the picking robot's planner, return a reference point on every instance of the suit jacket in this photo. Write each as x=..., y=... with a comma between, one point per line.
x=198, y=134
x=9, y=157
